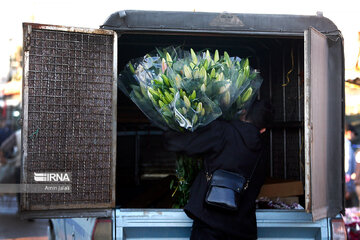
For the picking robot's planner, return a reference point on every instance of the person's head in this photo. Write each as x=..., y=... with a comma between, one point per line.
x=260, y=114
x=350, y=132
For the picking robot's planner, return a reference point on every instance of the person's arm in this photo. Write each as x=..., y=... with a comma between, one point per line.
x=209, y=138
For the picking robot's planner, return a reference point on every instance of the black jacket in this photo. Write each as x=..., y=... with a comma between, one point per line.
x=233, y=146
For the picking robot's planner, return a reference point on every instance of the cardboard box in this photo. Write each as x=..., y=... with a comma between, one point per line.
x=274, y=188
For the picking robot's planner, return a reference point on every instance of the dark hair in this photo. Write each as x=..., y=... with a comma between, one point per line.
x=260, y=114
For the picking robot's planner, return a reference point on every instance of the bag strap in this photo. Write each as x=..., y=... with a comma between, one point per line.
x=256, y=164
x=258, y=158
x=208, y=177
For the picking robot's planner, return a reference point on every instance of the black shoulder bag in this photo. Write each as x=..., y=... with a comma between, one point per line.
x=225, y=188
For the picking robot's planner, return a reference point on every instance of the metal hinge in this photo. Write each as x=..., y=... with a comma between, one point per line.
x=27, y=38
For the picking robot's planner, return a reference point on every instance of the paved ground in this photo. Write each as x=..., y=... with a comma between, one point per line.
x=12, y=227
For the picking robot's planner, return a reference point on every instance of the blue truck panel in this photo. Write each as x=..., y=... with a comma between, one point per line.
x=173, y=224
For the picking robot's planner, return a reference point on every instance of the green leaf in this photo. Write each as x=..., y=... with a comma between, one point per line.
x=161, y=103
x=131, y=67
x=168, y=96
x=182, y=93
x=159, y=81
x=167, y=113
x=153, y=93
x=153, y=100
x=166, y=80
x=171, y=183
x=138, y=95
x=143, y=90
x=193, y=95
x=173, y=90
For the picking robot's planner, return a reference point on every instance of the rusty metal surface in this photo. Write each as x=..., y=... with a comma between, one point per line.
x=69, y=114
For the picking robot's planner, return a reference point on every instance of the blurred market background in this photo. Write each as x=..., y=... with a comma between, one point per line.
x=91, y=14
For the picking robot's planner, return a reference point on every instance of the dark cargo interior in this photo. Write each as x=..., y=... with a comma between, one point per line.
x=144, y=169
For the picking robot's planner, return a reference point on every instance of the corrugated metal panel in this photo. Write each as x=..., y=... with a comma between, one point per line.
x=69, y=111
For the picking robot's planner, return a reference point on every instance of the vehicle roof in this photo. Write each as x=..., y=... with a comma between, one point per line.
x=266, y=24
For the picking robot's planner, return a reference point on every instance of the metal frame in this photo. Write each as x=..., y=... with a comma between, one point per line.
x=307, y=121
x=272, y=224
x=129, y=21
x=243, y=25
x=28, y=27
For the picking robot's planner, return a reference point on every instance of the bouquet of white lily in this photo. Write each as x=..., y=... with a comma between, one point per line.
x=183, y=90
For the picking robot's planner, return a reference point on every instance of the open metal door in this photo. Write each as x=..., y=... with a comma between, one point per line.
x=324, y=104
x=69, y=121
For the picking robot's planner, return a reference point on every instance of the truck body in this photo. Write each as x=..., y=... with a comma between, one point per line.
x=76, y=120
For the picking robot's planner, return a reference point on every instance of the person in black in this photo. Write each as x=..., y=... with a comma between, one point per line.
x=230, y=145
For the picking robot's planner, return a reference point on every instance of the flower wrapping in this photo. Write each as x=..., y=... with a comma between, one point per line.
x=184, y=90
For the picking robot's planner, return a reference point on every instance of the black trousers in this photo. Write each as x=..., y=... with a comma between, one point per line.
x=202, y=231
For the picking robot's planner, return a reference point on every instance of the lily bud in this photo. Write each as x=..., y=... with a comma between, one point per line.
x=193, y=56
x=195, y=119
x=199, y=107
x=213, y=72
x=178, y=81
x=247, y=95
x=169, y=59
x=187, y=102
x=224, y=88
x=187, y=71
x=227, y=59
x=203, y=73
x=220, y=77
x=163, y=65
x=226, y=98
x=216, y=56
x=203, y=88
